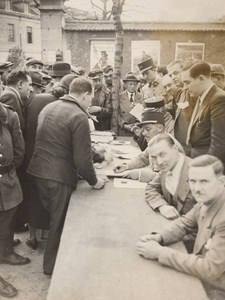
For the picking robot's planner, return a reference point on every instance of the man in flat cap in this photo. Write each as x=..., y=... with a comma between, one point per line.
x=218, y=75
x=101, y=105
x=127, y=100
x=154, y=85
x=34, y=64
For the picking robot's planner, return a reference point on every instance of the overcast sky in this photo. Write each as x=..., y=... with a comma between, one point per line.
x=164, y=10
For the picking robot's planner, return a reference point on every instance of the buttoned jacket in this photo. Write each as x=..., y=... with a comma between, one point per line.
x=208, y=260
x=156, y=193
x=207, y=134
x=125, y=106
x=11, y=155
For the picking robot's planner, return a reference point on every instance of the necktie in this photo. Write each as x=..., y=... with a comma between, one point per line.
x=131, y=98
x=194, y=117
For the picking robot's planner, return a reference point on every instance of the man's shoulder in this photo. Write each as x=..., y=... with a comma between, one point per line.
x=8, y=93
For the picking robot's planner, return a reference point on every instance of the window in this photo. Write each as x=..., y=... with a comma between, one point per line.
x=11, y=33
x=29, y=35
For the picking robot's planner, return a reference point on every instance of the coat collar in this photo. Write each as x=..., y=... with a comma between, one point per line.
x=72, y=99
x=3, y=114
x=204, y=225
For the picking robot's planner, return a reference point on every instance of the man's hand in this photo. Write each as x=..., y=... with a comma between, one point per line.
x=169, y=212
x=127, y=127
x=132, y=174
x=94, y=109
x=151, y=237
x=149, y=250
x=120, y=168
x=99, y=185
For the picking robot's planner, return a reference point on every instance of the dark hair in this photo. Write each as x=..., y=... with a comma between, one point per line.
x=59, y=92
x=198, y=68
x=208, y=160
x=81, y=85
x=161, y=137
x=16, y=75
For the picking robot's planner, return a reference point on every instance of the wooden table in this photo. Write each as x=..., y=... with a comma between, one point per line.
x=97, y=258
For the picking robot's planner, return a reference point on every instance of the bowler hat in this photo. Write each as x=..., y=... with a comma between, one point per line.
x=217, y=69
x=131, y=77
x=155, y=102
x=60, y=69
x=95, y=73
x=146, y=65
x=66, y=80
x=33, y=61
x=151, y=117
x=36, y=78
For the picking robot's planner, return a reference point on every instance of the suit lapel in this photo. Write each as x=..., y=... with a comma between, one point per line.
x=204, y=225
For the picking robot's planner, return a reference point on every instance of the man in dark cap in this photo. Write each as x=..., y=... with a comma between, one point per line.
x=34, y=64
x=152, y=123
x=101, y=105
x=59, y=69
x=127, y=100
x=5, y=69
x=154, y=85
x=37, y=84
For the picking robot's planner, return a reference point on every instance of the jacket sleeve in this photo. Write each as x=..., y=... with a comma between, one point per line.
x=82, y=153
x=217, y=144
x=209, y=267
x=17, y=139
x=142, y=160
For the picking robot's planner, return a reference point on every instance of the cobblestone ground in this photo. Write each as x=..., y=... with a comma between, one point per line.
x=29, y=279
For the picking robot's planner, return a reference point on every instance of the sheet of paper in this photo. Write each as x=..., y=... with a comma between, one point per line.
x=137, y=111
x=111, y=173
x=128, y=183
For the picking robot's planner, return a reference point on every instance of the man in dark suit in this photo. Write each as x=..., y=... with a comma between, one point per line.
x=207, y=262
x=62, y=151
x=19, y=87
x=206, y=131
x=169, y=191
x=128, y=99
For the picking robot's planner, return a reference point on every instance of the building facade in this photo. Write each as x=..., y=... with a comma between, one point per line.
x=20, y=27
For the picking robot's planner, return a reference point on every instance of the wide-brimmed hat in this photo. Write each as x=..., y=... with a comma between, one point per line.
x=155, y=102
x=60, y=69
x=131, y=77
x=146, y=65
x=217, y=69
x=34, y=61
x=36, y=78
x=95, y=73
x=151, y=117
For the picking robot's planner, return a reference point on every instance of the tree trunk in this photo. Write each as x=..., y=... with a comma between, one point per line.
x=118, y=61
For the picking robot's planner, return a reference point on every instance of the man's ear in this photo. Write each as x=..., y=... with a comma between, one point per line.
x=160, y=128
x=202, y=78
x=222, y=179
x=19, y=84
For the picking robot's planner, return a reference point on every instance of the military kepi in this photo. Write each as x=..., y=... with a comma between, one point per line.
x=151, y=117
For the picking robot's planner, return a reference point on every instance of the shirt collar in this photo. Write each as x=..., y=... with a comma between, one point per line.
x=177, y=169
x=202, y=97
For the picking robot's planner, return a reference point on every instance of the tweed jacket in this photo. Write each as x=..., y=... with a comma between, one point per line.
x=63, y=146
x=124, y=110
x=157, y=195
x=208, y=260
x=11, y=154
x=10, y=97
x=208, y=131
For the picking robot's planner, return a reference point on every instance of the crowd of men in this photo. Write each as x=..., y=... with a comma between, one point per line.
x=45, y=148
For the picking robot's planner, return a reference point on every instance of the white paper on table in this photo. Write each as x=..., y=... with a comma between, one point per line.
x=128, y=183
x=137, y=111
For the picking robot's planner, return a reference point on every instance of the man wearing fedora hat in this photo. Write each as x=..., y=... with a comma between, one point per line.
x=127, y=100
x=154, y=85
x=218, y=75
x=101, y=105
x=37, y=84
x=59, y=69
x=141, y=167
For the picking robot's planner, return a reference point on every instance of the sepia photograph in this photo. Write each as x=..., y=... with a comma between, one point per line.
x=112, y=149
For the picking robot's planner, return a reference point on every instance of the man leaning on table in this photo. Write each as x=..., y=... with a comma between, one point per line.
x=207, y=262
x=169, y=191
x=62, y=151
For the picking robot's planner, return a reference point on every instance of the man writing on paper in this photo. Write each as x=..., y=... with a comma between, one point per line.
x=207, y=262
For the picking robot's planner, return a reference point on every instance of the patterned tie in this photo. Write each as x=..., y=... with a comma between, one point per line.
x=194, y=117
